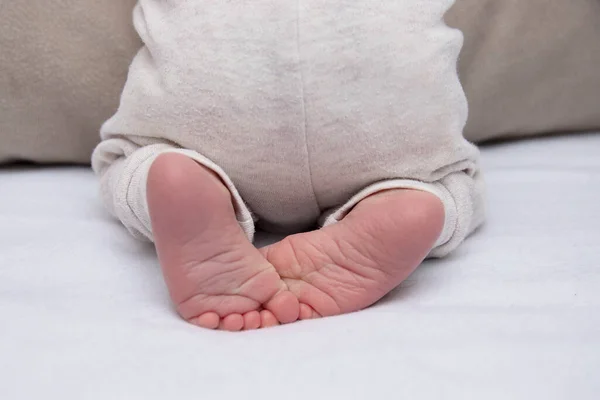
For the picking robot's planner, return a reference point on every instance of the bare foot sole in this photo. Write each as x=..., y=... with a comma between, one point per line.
x=350, y=265
x=216, y=278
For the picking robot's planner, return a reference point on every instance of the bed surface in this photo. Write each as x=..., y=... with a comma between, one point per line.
x=513, y=314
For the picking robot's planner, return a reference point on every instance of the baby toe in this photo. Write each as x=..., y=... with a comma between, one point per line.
x=209, y=320
x=285, y=307
x=232, y=323
x=268, y=319
x=251, y=320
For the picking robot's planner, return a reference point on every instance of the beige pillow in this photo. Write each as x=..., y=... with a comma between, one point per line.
x=529, y=67
x=63, y=64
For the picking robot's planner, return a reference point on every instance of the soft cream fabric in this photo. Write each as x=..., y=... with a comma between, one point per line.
x=63, y=64
x=301, y=105
x=529, y=67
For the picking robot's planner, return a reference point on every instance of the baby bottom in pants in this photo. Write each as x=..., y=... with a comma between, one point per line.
x=302, y=109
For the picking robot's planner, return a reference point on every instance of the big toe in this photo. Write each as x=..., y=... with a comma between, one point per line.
x=284, y=306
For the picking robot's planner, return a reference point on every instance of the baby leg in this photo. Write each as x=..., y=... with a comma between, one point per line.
x=174, y=197
x=386, y=114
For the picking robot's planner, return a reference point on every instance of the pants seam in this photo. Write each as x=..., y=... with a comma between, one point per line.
x=302, y=94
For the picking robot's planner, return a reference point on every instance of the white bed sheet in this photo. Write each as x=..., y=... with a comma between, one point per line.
x=513, y=314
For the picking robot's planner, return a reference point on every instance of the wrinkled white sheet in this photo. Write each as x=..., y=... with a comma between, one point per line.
x=513, y=314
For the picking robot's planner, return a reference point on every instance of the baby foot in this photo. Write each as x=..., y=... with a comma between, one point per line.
x=350, y=265
x=216, y=277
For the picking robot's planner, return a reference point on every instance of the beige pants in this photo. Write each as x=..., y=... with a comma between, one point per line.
x=303, y=109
